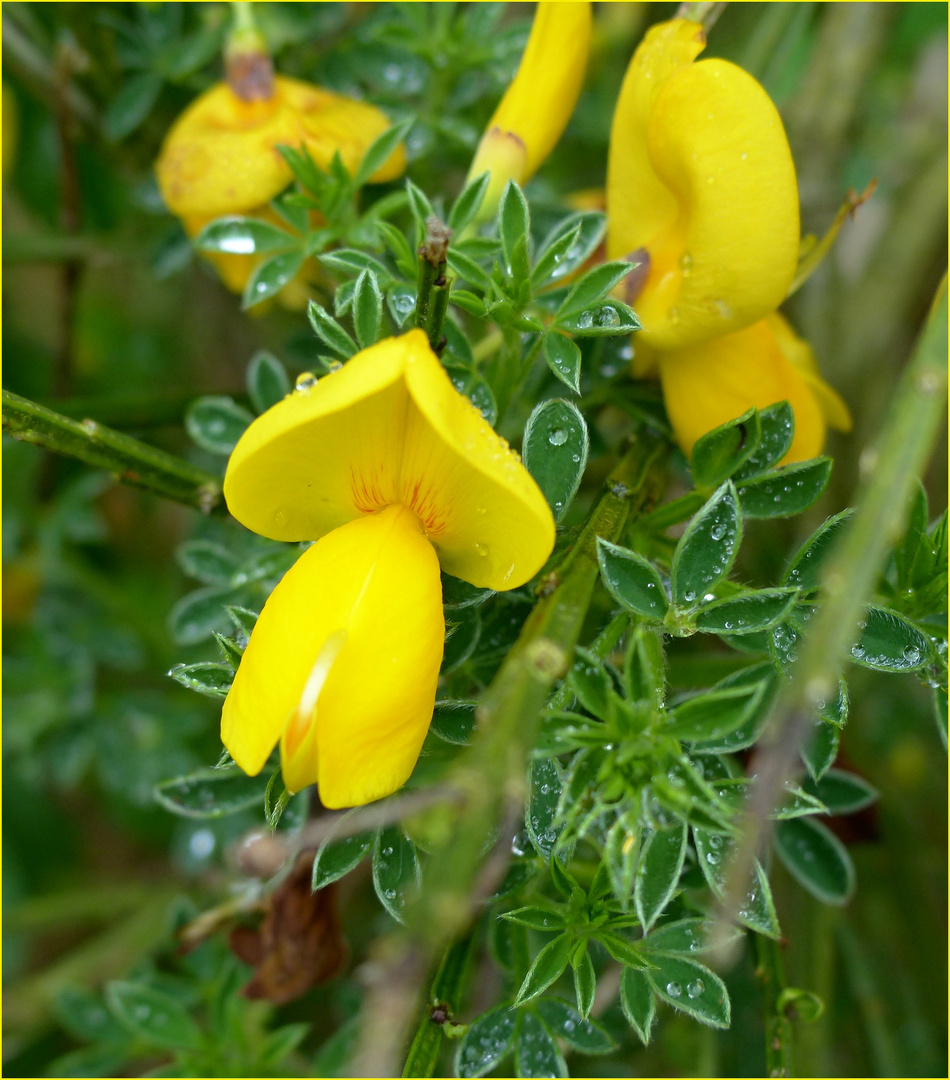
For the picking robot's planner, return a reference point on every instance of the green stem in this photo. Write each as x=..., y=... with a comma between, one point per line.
x=704, y=13
x=129, y=460
x=492, y=773
x=890, y=469
x=778, y=1027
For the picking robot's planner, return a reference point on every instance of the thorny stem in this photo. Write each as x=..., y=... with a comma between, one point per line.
x=438, y=1013
x=890, y=467
x=492, y=773
x=432, y=294
x=128, y=460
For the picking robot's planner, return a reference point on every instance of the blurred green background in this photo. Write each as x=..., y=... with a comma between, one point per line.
x=107, y=314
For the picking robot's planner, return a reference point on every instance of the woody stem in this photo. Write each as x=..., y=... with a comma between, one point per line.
x=492, y=773
x=130, y=461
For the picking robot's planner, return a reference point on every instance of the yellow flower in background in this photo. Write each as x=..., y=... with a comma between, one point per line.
x=701, y=191
x=534, y=112
x=220, y=155
x=711, y=383
x=394, y=473
x=701, y=186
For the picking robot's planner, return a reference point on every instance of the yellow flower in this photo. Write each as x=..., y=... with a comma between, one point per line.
x=701, y=186
x=219, y=157
x=715, y=381
x=539, y=102
x=394, y=473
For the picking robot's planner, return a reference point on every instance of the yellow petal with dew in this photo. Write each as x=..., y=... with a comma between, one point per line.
x=711, y=383
x=219, y=156
x=536, y=107
x=701, y=179
x=799, y=352
x=389, y=427
x=343, y=663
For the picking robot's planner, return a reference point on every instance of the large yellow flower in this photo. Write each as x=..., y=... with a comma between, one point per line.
x=220, y=155
x=536, y=107
x=701, y=191
x=394, y=473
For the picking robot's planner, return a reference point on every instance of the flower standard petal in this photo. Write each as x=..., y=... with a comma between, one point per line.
x=701, y=179
x=389, y=427
x=706, y=385
x=343, y=663
x=538, y=103
x=219, y=156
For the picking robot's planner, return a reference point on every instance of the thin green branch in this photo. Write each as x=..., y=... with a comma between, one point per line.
x=778, y=1027
x=130, y=461
x=492, y=773
x=890, y=468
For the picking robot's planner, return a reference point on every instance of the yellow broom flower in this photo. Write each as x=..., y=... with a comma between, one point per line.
x=536, y=107
x=220, y=155
x=394, y=473
x=701, y=190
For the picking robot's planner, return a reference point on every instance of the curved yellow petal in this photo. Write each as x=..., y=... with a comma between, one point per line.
x=799, y=352
x=708, y=384
x=536, y=107
x=343, y=663
x=701, y=178
x=219, y=157
x=389, y=427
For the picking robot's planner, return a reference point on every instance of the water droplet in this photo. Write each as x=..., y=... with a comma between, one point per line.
x=387, y=851
x=585, y=320
x=608, y=316
x=674, y=989
x=858, y=652
x=689, y=596
x=912, y=654
x=279, y=518
x=575, y=458
x=569, y=1026
x=334, y=365
x=743, y=157
x=482, y=549
x=673, y=315
x=557, y=436
x=695, y=988
x=712, y=857
x=686, y=264
x=306, y=380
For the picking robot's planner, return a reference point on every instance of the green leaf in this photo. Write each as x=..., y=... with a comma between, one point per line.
x=350, y=263
x=270, y=277
x=658, y=873
x=800, y=1004
x=592, y=287
x=468, y=270
x=585, y=984
x=940, y=712
x=684, y=936
x=548, y=965
x=804, y=571
x=720, y=452
x=236, y=235
x=777, y=428
x=468, y=301
x=153, y=1016
x=395, y=869
x=336, y=1051
x=544, y=793
x=380, y=151
x=820, y=751
x=105, y=1059
x=213, y=680
x=216, y=423
x=888, y=642
x=401, y=301
x=637, y=1001
x=749, y=730
x=276, y=798
x=608, y=318
x=467, y=205
x=462, y=631
x=212, y=793
x=84, y=1015
x=304, y=168
x=816, y=858
x=367, y=309
x=399, y=246
x=691, y=988
x=591, y=682
x=194, y=617
x=486, y=1043
x=130, y=106
x=708, y=547
x=620, y=855
x=555, y=451
x=513, y=228
x=569, y=244
x=622, y=950
x=787, y=491
x=757, y=911
x=536, y=1052
x=421, y=209
x=631, y=580
x=330, y=332
x=336, y=858
x=536, y=918
x=564, y=359
x=267, y=381
x=747, y=614
x=244, y=620
x=454, y=721
x=585, y=1036
x=283, y=1041
x=206, y=561
x=714, y=714
x=842, y=792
